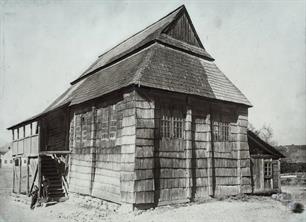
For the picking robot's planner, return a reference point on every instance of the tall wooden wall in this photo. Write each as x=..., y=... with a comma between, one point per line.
x=204, y=168
x=137, y=169
x=54, y=131
x=99, y=166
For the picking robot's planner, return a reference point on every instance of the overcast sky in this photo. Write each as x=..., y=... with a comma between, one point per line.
x=259, y=45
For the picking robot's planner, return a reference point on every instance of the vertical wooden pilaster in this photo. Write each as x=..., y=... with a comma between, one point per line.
x=14, y=172
x=188, y=152
x=93, y=148
x=210, y=159
x=262, y=174
x=39, y=157
x=39, y=176
x=28, y=176
x=20, y=175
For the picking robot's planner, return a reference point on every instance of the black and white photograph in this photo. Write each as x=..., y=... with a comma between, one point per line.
x=166, y=110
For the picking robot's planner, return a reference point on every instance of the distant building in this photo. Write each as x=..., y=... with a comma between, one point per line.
x=6, y=159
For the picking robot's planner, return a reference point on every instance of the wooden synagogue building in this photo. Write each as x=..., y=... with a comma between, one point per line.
x=152, y=121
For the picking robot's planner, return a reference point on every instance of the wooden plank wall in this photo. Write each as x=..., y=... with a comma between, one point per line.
x=54, y=131
x=182, y=31
x=103, y=167
x=144, y=150
x=242, y=148
x=81, y=156
x=201, y=146
x=219, y=168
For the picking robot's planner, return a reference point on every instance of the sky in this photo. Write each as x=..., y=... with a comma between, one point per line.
x=259, y=45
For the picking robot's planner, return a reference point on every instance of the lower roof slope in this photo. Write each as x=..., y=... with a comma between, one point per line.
x=160, y=67
x=157, y=66
x=258, y=147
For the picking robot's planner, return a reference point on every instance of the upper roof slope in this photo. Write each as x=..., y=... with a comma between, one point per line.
x=166, y=55
x=146, y=36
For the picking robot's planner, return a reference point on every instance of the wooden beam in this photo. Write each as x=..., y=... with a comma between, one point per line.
x=28, y=176
x=39, y=158
x=210, y=159
x=14, y=171
x=39, y=176
x=20, y=175
x=188, y=150
x=54, y=152
x=92, y=144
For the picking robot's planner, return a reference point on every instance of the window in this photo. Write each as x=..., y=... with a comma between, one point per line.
x=86, y=119
x=5, y=161
x=108, y=122
x=24, y=161
x=221, y=131
x=11, y=161
x=268, y=169
x=171, y=123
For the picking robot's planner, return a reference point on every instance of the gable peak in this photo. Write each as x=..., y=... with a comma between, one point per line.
x=181, y=28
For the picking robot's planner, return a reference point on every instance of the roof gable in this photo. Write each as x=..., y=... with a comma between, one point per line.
x=182, y=29
x=174, y=24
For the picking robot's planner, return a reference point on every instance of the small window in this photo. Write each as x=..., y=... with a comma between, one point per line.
x=11, y=161
x=5, y=161
x=108, y=122
x=172, y=123
x=268, y=169
x=24, y=161
x=221, y=131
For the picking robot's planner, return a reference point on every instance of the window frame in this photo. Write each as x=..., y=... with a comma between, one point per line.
x=268, y=170
x=221, y=131
x=172, y=122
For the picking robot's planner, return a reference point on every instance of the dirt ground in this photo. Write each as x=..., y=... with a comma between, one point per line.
x=231, y=209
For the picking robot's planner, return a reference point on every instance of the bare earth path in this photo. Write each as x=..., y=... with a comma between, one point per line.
x=253, y=209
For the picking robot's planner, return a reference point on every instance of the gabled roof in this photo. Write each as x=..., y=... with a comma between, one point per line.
x=167, y=55
x=141, y=39
x=258, y=147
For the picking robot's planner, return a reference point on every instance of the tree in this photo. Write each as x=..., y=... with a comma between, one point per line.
x=265, y=133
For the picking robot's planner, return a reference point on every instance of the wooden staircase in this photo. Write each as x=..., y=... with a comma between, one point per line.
x=50, y=171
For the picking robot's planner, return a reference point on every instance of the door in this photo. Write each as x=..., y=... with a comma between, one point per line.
x=171, y=162
x=267, y=175
x=275, y=175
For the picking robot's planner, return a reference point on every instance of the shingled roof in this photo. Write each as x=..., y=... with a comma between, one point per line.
x=259, y=148
x=166, y=55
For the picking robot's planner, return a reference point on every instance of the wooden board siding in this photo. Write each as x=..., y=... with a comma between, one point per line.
x=183, y=31
x=199, y=169
x=102, y=138
x=127, y=142
x=144, y=148
x=243, y=154
x=259, y=183
x=201, y=174
x=54, y=131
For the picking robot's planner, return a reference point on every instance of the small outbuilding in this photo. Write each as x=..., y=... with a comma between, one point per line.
x=265, y=165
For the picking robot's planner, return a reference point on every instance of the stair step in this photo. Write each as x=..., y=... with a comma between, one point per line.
x=56, y=195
